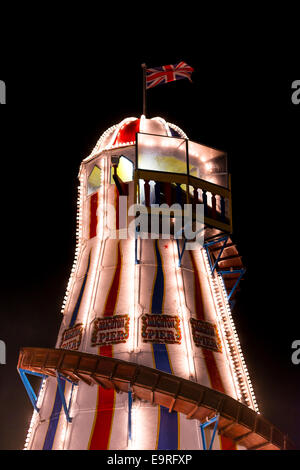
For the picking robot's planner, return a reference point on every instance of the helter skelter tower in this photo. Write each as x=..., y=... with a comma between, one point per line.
x=147, y=355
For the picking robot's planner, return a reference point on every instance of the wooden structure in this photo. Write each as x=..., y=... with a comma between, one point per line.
x=236, y=421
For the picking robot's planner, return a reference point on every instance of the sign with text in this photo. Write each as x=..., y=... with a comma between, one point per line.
x=205, y=335
x=71, y=337
x=158, y=328
x=110, y=330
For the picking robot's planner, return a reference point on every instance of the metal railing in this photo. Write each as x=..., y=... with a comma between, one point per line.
x=157, y=187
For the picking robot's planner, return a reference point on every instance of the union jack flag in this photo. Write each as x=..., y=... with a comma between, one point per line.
x=167, y=73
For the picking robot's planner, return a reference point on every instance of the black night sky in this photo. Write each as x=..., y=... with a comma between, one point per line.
x=58, y=105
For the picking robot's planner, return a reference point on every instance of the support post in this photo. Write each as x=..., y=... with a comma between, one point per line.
x=180, y=254
x=206, y=245
x=28, y=387
x=240, y=271
x=62, y=396
x=205, y=425
x=129, y=415
x=220, y=254
x=236, y=284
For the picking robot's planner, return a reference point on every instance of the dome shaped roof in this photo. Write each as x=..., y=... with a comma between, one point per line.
x=124, y=132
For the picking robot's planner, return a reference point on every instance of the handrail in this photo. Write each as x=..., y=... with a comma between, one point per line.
x=214, y=212
x=162, y=176
x=208, y=186
x=182, y=178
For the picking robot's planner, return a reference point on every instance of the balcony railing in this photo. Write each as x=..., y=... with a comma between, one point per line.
x=157, y=187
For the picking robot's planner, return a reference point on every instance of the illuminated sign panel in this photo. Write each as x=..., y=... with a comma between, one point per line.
x=161, y=329
x=205, y=335
x=110, y=330
x=71, y=338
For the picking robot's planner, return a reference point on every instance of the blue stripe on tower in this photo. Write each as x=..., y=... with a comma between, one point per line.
x=56, y=410
x=168, y=424
x=76, y=309
x=54, y=418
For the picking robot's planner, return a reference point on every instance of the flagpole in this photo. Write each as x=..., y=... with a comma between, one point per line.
x=144, y=66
